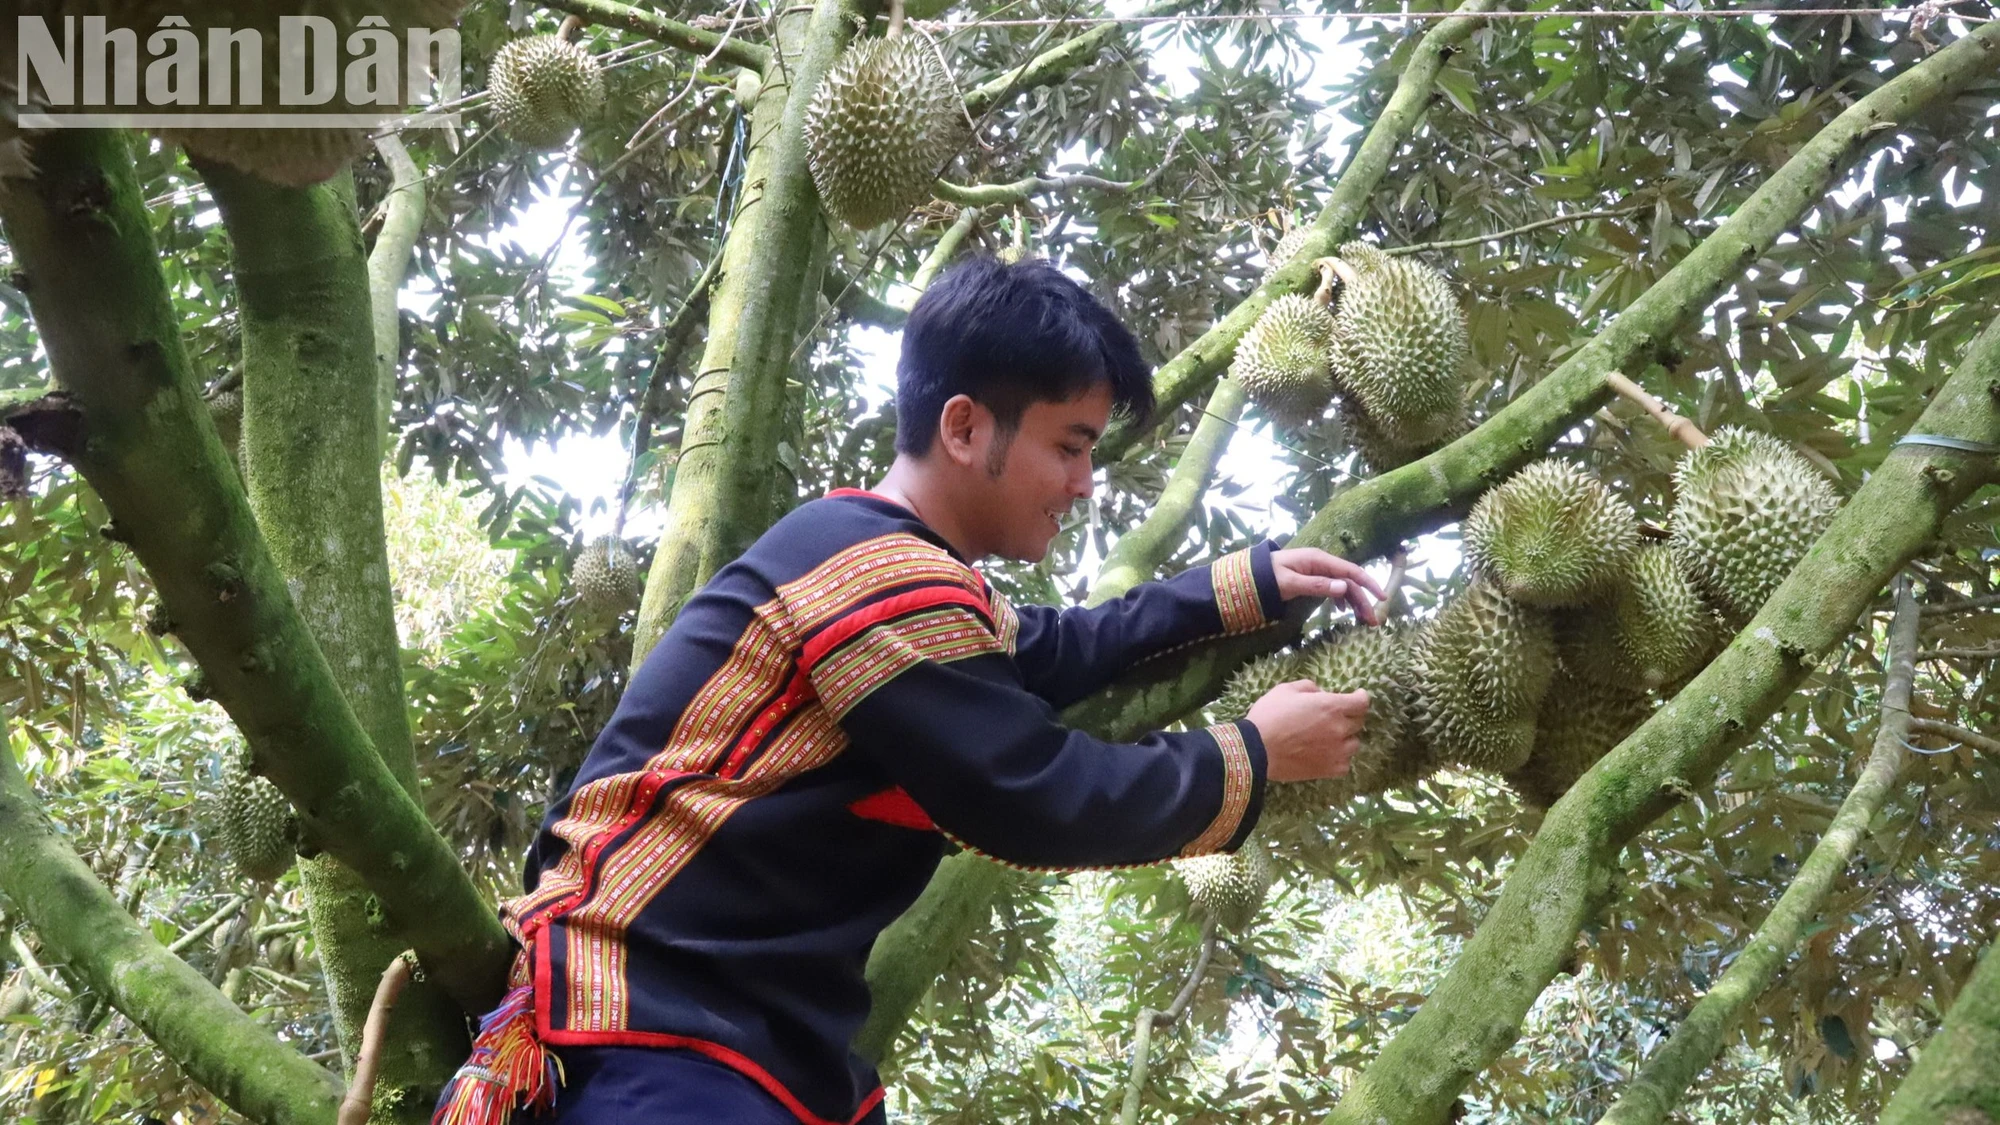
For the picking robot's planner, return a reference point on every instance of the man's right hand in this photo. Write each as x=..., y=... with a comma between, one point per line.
x=1308, y=733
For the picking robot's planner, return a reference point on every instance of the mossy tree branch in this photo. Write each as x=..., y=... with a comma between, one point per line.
x=1663, y=1081
x=1189, y=373
x=947, y=245
x=735, y=416
x=389, y=265
x=1140, y=553
x=1057, y=63
x=1565, y=877
x=671, y=33
x=1955, y=1081
x=133, y=422
x=312, y=447
x=80, y=921
x=1368, y=520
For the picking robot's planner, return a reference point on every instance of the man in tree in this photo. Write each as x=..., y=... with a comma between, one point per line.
x=840, y=706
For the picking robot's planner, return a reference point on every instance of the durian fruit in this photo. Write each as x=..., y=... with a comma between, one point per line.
x=258, y=826
x=1251, y=682
x=1747, y=508
x=225, y=409
x=1282, y=360
x=1551, y=535
x=1229, y=886
x=606, y=577
x=1481, y=669
x=1286, y=249
x=1579, y=723
x=543, y=87
x=1654, y=631
x=879, y=129
x=1399, y=347
x=1392, y=751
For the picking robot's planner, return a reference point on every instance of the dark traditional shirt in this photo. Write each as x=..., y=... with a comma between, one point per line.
x=792, y=761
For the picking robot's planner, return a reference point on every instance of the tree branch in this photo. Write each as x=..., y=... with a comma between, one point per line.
x=1142, y=1028
x=1056, y=63
x=1022, y=190
x=1954, y=1081
x=389, y=265
x=1963, y=605
x=1677, y=427
x=1139, y=553
x=1959, y=654
x=137, y=429
x=947, y=245
x=909, y=956
x=672, y=33
x=220, y=1047
x=1525, y=228
x=1189, y=373
x=361, y=1091
x=1663, y=1081
x=1957, y=734
x=208, y=926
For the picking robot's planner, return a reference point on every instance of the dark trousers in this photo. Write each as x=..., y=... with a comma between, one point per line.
x=651, y=1086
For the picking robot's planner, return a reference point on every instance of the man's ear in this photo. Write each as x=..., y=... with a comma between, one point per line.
x=962, y=428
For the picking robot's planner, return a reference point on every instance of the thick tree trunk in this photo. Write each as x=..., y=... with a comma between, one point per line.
x=1565, y=877
x=1956, y=1080
x=736, y=407
x=230, y=1054
x=133, y=421
x=1663, y=1081
x=312, y=448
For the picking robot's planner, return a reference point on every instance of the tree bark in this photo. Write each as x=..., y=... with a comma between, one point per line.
x=312, y=448
x=133, y=422
x=1140, y=553
x=1565, y=877
x=736, y=406
x=227, y=1052
x=1956, y=1080
x=389, y=267
x=1663, y=1081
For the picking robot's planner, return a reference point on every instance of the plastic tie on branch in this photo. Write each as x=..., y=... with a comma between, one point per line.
x=509, y=1067
x=1941, y=441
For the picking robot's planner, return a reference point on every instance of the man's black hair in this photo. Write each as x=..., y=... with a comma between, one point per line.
x=1008, y=336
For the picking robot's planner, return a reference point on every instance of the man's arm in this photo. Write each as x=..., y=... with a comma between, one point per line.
x=1066, y=654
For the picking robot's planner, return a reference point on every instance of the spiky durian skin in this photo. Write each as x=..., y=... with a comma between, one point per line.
x=1481, y=669
x=1251, y=681
x=1286, y=249
x=1399, y=347
x=542, y=88
x=1747, y=508
x=1551, y=535
x=1377, y=661
x=1579, y=723
x=606, y=577
x=1229, y=886
x=1282, y=360
x=879, y=128
x=291, y=157
x=257, y=822
x=1655, y=629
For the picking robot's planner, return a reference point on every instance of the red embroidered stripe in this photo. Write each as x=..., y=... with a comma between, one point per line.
x=1238, y=777
x=843, y=630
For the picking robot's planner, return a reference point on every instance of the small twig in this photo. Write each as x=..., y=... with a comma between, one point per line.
x=208, y=926
x=1957, y=733
x=1678, y=428
x=1964, y=605
x=1959, y=654
x=1555, y=220
x=1142, y=1030
x=361, y=1091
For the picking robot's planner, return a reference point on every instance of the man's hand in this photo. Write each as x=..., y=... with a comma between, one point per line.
x=1308, y=733
x=1306, y=572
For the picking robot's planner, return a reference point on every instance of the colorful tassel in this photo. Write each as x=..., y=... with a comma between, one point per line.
x=509, y=1067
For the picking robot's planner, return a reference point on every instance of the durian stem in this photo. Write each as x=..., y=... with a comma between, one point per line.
x=1142, y=1029
x=137, y=429
x=1332, y=272
x=1955, y=1070
x=81, y=923
x=1660, y=1085
x=1139, y=554
x=895, y=28
x=1677, y=427
x=1189, y=373
x=569, y=31
x=361, y=1090
x=671, y=33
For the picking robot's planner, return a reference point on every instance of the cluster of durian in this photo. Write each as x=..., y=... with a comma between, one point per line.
x=880, y=127
x=259, y=829
x=1228, y=886
x=1390, y=350
x=543, y=87
x=605, y=578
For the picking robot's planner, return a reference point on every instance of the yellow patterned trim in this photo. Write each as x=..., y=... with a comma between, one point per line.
x=888, y=650
x=1006, y=623
x=1236, y=594
x=864, y=571
x=1238, y=778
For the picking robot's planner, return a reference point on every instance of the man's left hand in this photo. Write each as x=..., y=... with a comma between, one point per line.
x=1305, y=572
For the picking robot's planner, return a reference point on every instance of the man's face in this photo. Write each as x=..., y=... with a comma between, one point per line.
x=1035, y=476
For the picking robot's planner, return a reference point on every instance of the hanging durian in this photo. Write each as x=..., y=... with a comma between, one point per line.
x=880, y=127
x=1392, y=751
x=1481, y=669
x=606, y=577
x=258, y=826
x=1282, y=360
x=543, y=87
x=1286, y=249
x=1551, y=535
x=1654, y=631
x=1229, y=886
x=1579, y=723
x=1747, y=508
x=1251, y=682
x=1399, y=348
